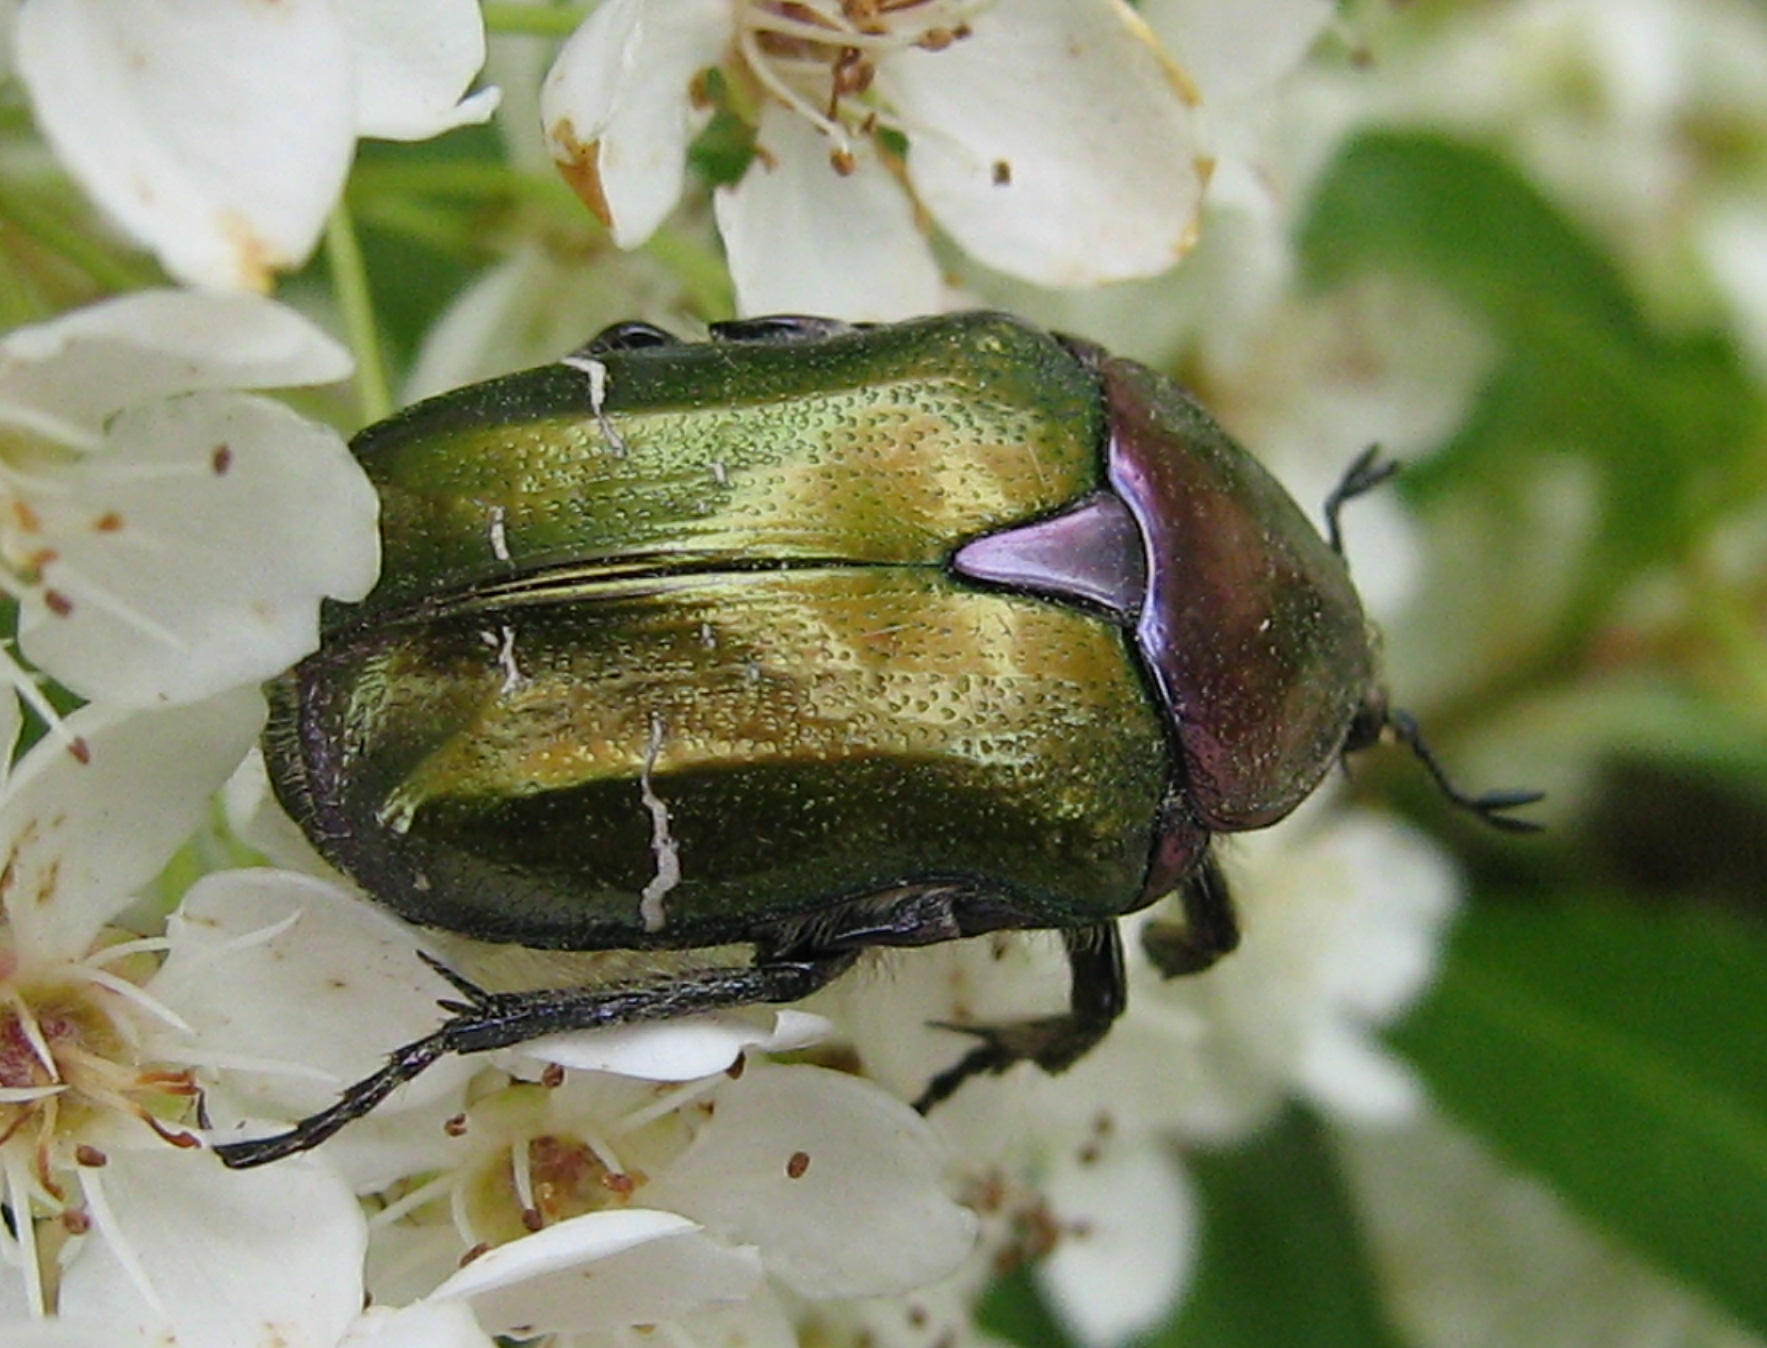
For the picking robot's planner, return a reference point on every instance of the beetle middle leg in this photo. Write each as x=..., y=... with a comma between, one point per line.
x=1096, y=998
x=492, y=1020
x=1209, y=929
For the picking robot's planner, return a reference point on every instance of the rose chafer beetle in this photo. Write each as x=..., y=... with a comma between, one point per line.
x=815, y=638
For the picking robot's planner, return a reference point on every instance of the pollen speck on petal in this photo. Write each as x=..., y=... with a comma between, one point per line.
x=579, y=163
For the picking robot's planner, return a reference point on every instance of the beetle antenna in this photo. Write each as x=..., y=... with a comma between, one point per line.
x=1360, y=478
x=1489, y=807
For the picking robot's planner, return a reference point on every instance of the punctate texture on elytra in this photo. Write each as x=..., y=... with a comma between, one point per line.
x=680, y=644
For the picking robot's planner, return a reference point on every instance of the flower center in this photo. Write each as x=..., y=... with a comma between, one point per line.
x=64, y=1061
x=552, y=1152
x=820, y=57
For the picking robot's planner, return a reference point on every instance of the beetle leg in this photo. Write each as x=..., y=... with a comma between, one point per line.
x=1361, y=477
x=1209, y=930
x=1055, y=1043
x=492, y=1020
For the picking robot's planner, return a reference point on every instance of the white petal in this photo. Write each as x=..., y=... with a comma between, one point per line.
x=218, y=134
x=1073, y=103
x=601, y=1271
x=1237, y=49
x=413, y=62
x=65, y=378
x=258, y=820
x=758, y=1322
x=803, y=239
x=616, y=107
x=11, y=722
x=267, y=1258
x=333, y=992
x=1128, y=1243
x=193, y=554
x=1347, y=1073
x=681, y=1050
x=435, y=1324
x=61, y=1334
x=86, y=835
x=873, y=1165
x=532, y=308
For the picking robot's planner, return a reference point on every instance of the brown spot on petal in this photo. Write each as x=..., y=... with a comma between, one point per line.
x=455, y=1126
x=797, y=1165
x=579, y=163
x=25, y=517
x=221, y=459
x=108, y=523
x=1002, y=173
x=57, y=603
x=87, y=1154
x=552, y=1076
x=81, y=750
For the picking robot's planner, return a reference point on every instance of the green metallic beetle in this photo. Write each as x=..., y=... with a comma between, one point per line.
x=818, y=638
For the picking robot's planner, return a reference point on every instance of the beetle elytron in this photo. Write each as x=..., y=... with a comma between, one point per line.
x=817, y=638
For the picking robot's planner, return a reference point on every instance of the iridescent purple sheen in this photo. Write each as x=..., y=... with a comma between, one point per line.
x=1251, y=628
x=1093, y=550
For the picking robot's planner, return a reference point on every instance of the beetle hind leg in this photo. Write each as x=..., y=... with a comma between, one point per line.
x=1055, y=1043
x=1209, y=929
x=490, y=1020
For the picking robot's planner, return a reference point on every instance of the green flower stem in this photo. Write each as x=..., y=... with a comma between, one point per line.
x=533, y=20
x=349, y=280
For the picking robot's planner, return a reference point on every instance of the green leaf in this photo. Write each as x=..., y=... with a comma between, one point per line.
x=1466, y=218
x=1618, y=1052
x=1282, y=1258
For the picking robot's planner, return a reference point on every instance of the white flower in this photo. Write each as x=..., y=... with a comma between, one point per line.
x=1050, y=138
x=301, y=988
x=597, y=1202
x=116, y=1217
x=149, y=532
x=220, y=134
x=1342, y=915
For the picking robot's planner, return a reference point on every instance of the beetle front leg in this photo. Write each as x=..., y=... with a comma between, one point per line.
x=1209, y=930
x=493, y=1020
x=1096, y=998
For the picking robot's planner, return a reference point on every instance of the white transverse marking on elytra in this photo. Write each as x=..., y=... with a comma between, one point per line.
x=662, y=844
x=597, y=373
x=499, y=538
